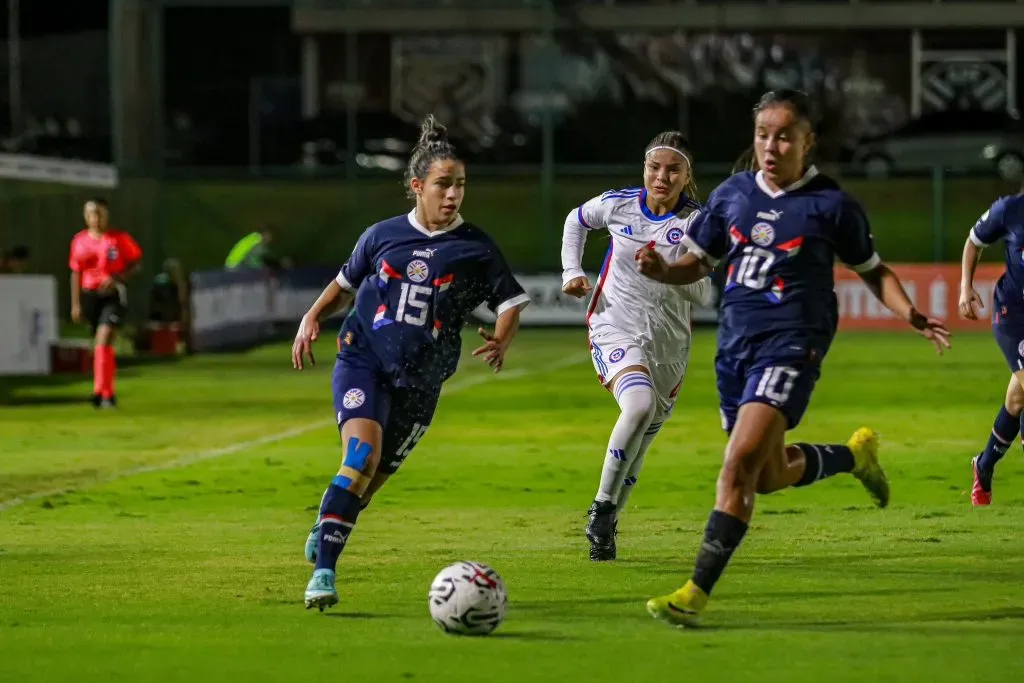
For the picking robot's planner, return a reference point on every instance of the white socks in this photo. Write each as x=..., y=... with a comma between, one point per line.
x=634, y=392
x=633, y=473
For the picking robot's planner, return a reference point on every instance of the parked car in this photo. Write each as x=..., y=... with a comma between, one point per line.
x=972, y=141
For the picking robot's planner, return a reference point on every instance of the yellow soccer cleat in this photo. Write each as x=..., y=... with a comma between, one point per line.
x=864, y=445
x=681, y=608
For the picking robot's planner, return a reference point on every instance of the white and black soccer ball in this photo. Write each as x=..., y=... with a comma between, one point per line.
x=468, y=598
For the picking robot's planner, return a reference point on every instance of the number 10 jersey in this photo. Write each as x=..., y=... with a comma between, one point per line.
x=779, y=250
x=779, y=308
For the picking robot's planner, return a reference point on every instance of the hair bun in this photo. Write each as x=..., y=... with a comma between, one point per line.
x=432, y=132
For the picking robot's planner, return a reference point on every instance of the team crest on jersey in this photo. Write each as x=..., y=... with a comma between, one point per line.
x=762, y=234
x=674, y=235
x=616, y=355
x=353, y=398
x=417, y=271
x=1020, y=349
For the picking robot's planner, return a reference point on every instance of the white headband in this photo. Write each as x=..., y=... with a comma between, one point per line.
x=674, y=149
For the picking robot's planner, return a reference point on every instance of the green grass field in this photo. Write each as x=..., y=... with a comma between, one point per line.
x=176, y=555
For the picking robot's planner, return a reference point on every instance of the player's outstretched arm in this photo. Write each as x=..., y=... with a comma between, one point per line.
x=684, y=271
x=970, y=300
x=331, y=299
x=888, y=289
x=495, y=345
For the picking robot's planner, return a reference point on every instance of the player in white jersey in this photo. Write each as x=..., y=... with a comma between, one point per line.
x=639, y=329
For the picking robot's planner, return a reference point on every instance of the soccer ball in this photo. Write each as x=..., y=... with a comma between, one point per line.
x=468, y=598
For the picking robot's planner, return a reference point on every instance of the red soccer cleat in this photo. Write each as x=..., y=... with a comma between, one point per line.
x=981, y=492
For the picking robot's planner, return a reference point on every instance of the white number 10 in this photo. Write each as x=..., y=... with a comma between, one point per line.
x=776, y=383
x=753, y=269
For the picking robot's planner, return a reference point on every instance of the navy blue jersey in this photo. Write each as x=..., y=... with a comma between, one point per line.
x=779, y=250
x=414, y=291
x=1005, y=220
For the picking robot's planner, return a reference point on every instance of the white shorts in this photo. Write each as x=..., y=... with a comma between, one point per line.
x=613, y=351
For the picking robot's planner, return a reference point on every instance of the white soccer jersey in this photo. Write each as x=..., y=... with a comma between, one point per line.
x=656, y=315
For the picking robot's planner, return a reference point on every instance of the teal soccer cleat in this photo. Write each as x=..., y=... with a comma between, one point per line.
x=311, y=542
x=320, y=591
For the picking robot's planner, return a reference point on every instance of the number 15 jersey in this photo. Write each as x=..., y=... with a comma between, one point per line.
x=779, y=249
x=414, y=290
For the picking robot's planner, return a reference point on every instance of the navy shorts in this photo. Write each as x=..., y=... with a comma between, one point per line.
x=1010, y=338
x=362, y=389
x=779, y=372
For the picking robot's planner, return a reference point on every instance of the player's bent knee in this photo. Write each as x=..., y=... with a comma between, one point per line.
x=741, y=469
x=744, y=460
x=360, y=455
x=640, y=409
x=358, y=466
x=1015, y=394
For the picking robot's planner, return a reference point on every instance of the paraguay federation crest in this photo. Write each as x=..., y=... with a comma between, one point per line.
x=417, y=270
x=762, y=234
x=353, y=398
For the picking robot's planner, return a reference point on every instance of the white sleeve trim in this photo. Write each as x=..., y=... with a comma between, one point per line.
x=521, y=300
x=697, y=251
x=868, y=265
x=343, y=282
x=571, y=273
x=977, y=240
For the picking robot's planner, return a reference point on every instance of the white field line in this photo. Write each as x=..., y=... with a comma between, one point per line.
x=214, y=453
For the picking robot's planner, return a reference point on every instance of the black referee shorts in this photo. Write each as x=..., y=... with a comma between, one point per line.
x=103, y=308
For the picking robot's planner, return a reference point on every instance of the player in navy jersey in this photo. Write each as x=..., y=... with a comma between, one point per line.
x=778, y=231
x=415, y=279
x=1003, y=220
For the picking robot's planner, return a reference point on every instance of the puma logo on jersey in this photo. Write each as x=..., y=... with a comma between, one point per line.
x=424, y=253
x=772, y=215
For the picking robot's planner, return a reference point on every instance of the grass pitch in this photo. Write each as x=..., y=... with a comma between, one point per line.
x=175, y=551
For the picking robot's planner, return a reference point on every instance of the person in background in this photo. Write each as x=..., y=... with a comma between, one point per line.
x=253, y=251
x=169, y=304
x=15, y=261
x=101, y=261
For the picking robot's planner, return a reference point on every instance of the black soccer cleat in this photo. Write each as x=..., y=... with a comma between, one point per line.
x=601, y=531
x=108, y=403
x=96, y=400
